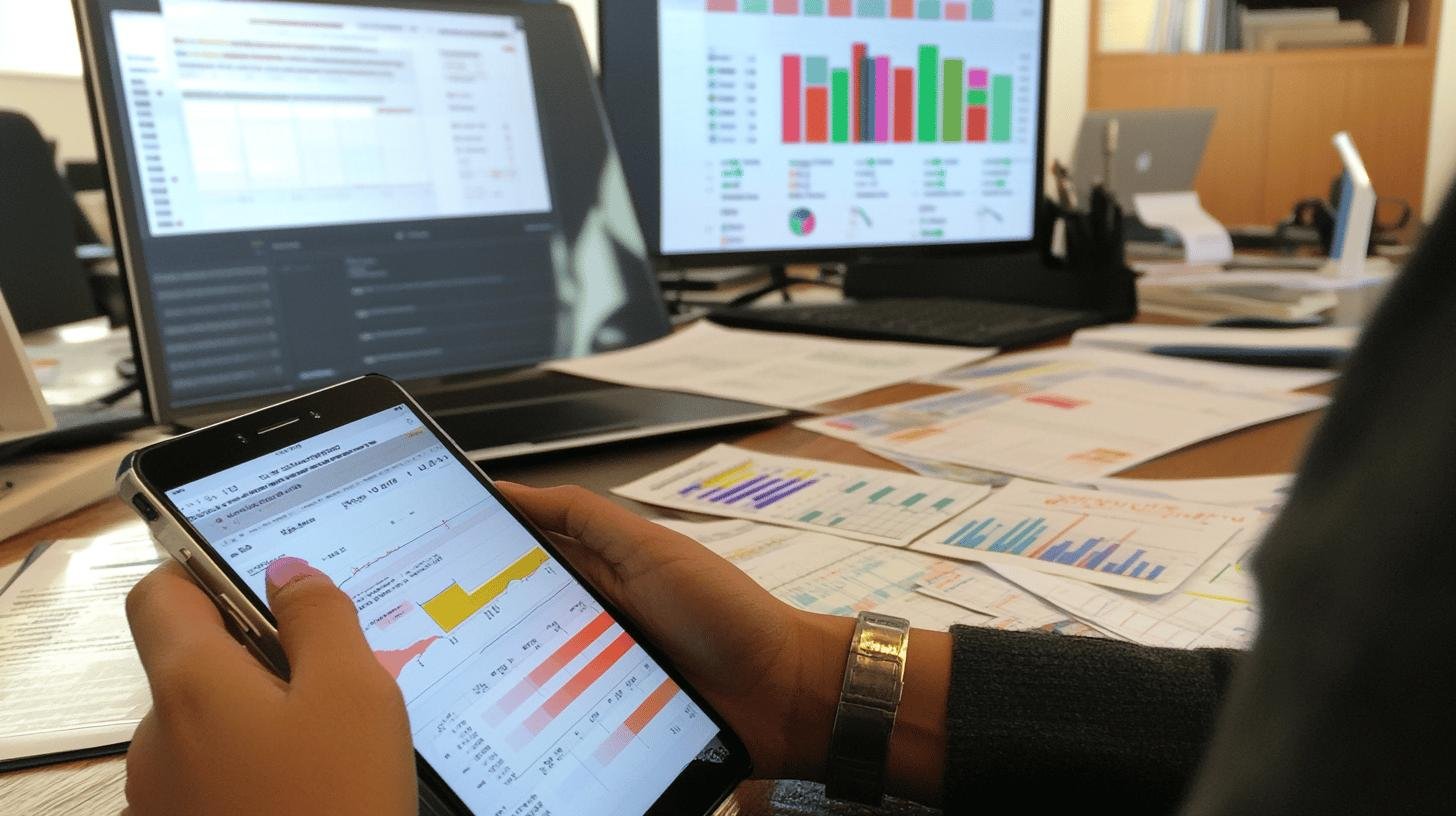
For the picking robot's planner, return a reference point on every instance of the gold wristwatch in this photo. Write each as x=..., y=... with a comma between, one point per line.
x=874, y=677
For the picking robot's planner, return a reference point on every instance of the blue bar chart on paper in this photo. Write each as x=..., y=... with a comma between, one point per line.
x=1119, y=540
x=867, y=504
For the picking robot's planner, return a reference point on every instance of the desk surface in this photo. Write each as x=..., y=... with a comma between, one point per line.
x=96, y=786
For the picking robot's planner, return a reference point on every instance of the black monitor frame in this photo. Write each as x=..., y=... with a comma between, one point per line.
x=638, y=135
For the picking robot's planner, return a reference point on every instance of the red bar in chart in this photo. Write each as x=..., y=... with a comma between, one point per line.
x=574, y=688
x=793, y=73
x=816, y=114
x=548, y=668
x=902, y=9
x=636, y=722
x=975, y=124
x=722, y=5
x=786, y=6
x=955, y=11
x=904, y=104
x=856, y=91
x=840, y=8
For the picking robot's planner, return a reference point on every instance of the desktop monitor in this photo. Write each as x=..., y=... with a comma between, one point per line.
x=821, y=130
x=309, y=191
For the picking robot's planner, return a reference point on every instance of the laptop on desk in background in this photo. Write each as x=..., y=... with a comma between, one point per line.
x=424, y=191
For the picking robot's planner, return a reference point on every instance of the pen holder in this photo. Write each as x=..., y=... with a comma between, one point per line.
x=1095, y=255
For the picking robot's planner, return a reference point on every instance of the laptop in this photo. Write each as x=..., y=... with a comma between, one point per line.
x=310, y=191
x=1158, y=151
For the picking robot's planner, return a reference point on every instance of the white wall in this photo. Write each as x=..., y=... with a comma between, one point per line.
x=1068, y=46
x=1441, y=158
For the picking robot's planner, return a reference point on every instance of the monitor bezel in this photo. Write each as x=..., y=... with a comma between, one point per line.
x=545, y=22
x=640, y=17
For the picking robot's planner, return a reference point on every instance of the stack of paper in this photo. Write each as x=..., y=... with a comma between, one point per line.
x=70, y=681
x=1159, y=562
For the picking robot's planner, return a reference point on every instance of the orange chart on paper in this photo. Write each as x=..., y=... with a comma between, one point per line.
x=455, y=605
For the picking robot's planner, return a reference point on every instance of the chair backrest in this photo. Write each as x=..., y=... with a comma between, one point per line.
x=44, y=282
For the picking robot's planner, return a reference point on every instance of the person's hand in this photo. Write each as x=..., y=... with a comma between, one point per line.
x=226, y=736
x=772, y=671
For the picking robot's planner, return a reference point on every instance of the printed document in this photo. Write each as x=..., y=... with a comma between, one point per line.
x=1084, y=428
x=70, y=679
x=1134, y=543
x=770, y=368
x=866, y=504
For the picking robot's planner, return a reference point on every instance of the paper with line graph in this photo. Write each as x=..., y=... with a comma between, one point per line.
x=1135, y=543
x=867, y=504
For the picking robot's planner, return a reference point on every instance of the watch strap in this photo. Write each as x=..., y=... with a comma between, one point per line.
x=874, y=678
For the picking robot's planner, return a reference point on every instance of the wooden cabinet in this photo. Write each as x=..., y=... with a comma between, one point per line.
x=1277, y=112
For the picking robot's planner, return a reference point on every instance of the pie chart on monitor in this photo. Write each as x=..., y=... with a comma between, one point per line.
x=801, y=221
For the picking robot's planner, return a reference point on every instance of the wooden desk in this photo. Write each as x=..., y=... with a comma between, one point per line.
x=96, y=786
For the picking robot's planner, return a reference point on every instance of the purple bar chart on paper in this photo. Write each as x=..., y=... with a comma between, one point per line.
x=873, y=505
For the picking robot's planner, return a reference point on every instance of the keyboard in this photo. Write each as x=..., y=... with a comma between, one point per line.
x=916, y=320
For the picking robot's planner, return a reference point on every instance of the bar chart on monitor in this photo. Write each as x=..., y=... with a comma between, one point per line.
x=1127, y=542
x=867, y=504
x=889, y=120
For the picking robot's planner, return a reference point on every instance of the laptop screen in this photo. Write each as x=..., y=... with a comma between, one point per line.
x=321, y=190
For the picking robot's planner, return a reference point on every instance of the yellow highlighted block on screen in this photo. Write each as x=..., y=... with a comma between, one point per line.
x=451, y=607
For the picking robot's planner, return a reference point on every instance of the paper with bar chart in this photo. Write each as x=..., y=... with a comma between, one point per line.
x=1087, y=426
x=847, y=122
x=513, y=674
x=1134, y=543
x=879, y=506
x=824, y=573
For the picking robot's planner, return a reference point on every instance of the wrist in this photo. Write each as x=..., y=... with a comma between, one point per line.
x=917, y=745
x=824, y=646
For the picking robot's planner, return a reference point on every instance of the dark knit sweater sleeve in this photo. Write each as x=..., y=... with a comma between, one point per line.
x=1038, y=721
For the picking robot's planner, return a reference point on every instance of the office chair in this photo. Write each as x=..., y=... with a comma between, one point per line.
x=44, y=282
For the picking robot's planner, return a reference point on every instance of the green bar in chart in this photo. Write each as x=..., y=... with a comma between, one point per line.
x=951, y=100
x=871, y=8
x=840, y=105
x=811, y=515
x=1001, y=108
x=975, y=96
x=928, y=9
x=983, y=9
x=814, y=8
x=943, y=503
x=881, y=493
x=755, y=6
x=929, y=82
x=816, y=70
x=910, y=502
x=855, y=486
